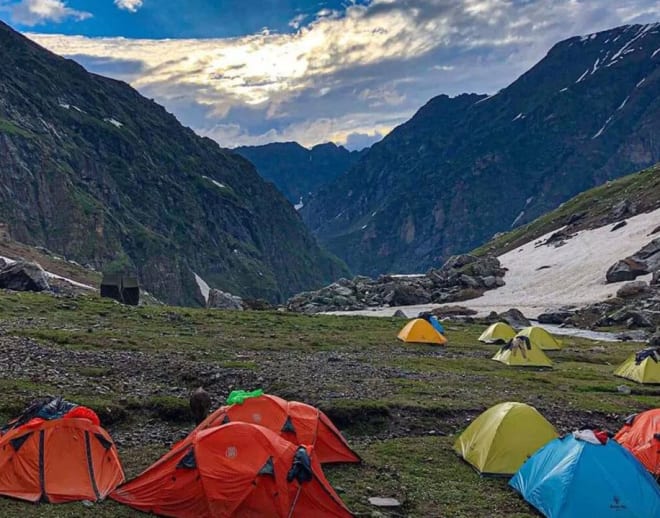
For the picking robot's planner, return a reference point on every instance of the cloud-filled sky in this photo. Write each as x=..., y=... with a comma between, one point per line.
x=257, y=71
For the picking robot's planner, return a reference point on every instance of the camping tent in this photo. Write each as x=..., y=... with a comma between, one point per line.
x=570, y=477
x=640, y=435
x=541, y=338
x=420, y=331
x=528, y=355
x=503, y=437
x=238, y=469
x=643, y=367
x=62, y=460
x=297, y=422
x=499, y=332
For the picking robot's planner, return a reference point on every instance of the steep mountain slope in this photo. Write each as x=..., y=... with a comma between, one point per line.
x=94, y=171
x=467, y=167
x=297, y=171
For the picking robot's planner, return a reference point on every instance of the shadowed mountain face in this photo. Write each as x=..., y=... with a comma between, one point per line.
x=297, y=171
x=464, y=168
x=94, y=171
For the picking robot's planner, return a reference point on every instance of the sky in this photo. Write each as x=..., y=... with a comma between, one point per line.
x=248, y=72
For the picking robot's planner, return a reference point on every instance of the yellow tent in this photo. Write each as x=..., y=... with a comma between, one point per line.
x=643, y=367
x=497, y=333
x=527, y=355
x=541, y=337
x=420, y=331
x=502, y=438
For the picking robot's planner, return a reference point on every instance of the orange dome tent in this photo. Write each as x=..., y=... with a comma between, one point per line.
x=297, y=422
x=420, y=331
x=58, y=461
x=238, y=469
x=640, y=435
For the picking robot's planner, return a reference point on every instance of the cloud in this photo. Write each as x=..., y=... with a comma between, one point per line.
x=35, y=12
x=359, y=141
x=129, y=5
x=357, y=72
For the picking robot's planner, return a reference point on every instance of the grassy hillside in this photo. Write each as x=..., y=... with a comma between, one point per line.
x=400, y=405
x=597, y=207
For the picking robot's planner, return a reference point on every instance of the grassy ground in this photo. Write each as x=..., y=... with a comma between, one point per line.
x=401, y=406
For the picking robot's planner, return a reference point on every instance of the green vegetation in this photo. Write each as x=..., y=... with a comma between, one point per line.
x=9, y=128
x=400, y=405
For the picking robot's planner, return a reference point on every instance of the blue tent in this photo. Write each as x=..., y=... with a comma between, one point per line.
x=571, y=478
x=433, y=320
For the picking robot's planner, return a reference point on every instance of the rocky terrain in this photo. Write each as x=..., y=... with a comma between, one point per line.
x=467, y=167
x=95, y=172
x=461, y=277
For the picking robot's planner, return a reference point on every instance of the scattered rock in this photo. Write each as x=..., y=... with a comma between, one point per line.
x=514, y=318
x=461, y=277
x=654, y=340
x=619, y=225
x=399, y=314
x=632, y=289
x=384, y=502
x=222, y=300
x=623, y=389
x=626, y=270
x=23, y=276
x=555, y=317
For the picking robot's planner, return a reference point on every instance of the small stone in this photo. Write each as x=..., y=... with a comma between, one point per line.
x=623, y=389
x=384, y=502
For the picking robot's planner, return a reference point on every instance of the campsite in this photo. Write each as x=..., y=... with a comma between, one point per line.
x=401, y=406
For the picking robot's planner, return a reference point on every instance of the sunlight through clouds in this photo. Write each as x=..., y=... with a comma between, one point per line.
x=362, y=71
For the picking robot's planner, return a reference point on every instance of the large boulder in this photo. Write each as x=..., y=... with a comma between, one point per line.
x=555, y=317
x=23, y=276
x=650, y=255
x=626, y=270
x=632, y=289
x=514, y=318
x=222, y=300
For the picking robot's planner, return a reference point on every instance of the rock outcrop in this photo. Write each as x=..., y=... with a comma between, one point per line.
x=645, y=260
x=221, y=300
x=23, y=276
x=461, y=277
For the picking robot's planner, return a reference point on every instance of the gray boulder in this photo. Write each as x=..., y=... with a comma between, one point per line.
x=221, y=300
x=514, y=318
x=650, y=255
x=626, y=270
x=555, y=317
x=632, y=289
x=655, y=279
x=654, y=340
x=23, y=276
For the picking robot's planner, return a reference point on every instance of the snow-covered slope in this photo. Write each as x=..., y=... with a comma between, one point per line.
x=541, y=277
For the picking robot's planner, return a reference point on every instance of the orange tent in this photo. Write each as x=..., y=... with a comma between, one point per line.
x=297, y=422
x=57, y=461
x=641, y=436
x=238, y=469
x=420, y=331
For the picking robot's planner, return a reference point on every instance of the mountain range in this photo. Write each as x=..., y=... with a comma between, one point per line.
x=96, y=172
x=466, y=167
x=297, y=171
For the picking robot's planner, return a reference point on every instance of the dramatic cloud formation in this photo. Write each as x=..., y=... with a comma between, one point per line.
x=35, y=12
x=346, y=76
x=129, y=5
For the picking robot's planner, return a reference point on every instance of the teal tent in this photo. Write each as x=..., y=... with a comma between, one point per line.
x=573, y=478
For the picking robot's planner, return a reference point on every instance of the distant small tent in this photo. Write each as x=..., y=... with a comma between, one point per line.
x=123, y=289
x=640, y=435
x=521, y=352
x=420, y=331
x=571, y=477
x=642, y=367
x=541, y=337
x=497, y=333
x=297, y=422
x=503, y=437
